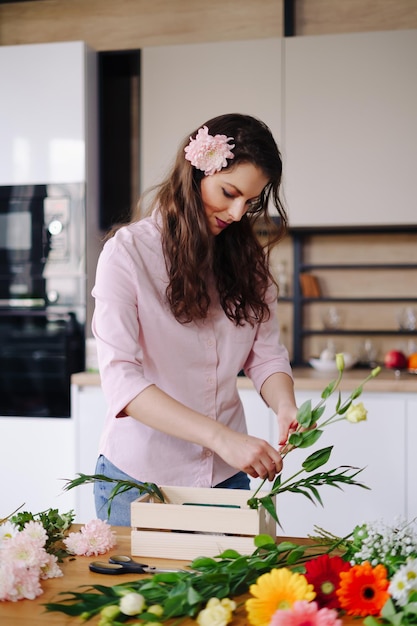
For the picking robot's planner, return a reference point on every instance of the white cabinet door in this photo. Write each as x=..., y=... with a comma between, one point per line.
x=89, y=411
x=184, y=85
x=36, y=456
x=42, y=113
x=377, y=445
x=411, y=458
x=260, y=421
x=351, y=128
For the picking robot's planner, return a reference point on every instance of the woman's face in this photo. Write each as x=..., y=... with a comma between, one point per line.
x=228, y=194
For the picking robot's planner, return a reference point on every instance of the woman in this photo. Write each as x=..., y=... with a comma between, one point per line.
x=185, y=301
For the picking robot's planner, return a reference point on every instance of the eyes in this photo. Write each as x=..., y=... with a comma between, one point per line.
x=253, y=205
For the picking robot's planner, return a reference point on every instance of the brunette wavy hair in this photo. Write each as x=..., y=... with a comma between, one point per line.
x=235, y=258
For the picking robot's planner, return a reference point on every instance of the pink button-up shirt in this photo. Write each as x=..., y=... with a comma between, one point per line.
x=140, y=343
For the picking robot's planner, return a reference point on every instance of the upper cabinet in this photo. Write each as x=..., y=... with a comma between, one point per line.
x=183, y=86
x=48, y=110
x=350, y=149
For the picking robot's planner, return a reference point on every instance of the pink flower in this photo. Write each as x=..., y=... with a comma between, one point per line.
x=51, y=568
x=77, y=543
x=304, y=613
x=208, y=153
x=36, y=532
x=17, y=582
x=23, y=551
x=94, y=538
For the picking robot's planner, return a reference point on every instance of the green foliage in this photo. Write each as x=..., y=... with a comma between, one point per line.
x=183, y=594
x=307, y=434
x=56, y=525
x=121, y=486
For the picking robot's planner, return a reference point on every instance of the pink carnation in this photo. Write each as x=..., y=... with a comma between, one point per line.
x=208, y=153
x=304, y=613
x=94, y=538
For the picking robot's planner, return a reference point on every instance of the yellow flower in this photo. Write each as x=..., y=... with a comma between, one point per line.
x=278, y=589
x=340, y=361
x=217, y=612
x=356, y=413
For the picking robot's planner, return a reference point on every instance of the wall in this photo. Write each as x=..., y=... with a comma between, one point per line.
x=130, y=24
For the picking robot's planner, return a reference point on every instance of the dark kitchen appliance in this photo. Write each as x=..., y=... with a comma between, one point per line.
x=42, y=297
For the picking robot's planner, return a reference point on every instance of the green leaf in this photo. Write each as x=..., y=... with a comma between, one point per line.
x=317, y=413
x=317, y=459
x=304, y=414
x=344, y=408
x=268, y=503
x=356, y=393
x=263, y=540
x=229, y=554
x=305, y=439
x=327, y=391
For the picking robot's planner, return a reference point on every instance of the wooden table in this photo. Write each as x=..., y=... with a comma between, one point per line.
x=76, y=573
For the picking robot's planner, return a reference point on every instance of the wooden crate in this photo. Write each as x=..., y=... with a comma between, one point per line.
x=196, y=522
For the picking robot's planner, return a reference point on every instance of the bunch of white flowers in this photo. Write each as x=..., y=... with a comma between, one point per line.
x=378, y=542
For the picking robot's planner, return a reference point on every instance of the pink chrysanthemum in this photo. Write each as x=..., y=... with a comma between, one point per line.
x=94, y=538
x=303, y=613
x=208, y=153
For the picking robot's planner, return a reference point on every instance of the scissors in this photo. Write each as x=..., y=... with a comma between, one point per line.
x=121, y=564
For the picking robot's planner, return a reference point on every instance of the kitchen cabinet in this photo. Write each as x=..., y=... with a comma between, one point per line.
x=350, y=129
x=47, y=132
x=88, y=411
x=36, y=456
x=411, y=457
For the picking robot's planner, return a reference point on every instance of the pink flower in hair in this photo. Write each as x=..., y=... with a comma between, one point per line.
x=208, y=153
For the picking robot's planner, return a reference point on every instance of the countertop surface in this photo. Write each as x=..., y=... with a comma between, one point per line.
x=308, y=379
x=77, y=573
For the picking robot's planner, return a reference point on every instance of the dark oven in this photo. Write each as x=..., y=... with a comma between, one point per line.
x=42, y=297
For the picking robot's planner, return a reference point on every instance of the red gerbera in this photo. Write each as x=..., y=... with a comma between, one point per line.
x=363, y=589
x=323, y=572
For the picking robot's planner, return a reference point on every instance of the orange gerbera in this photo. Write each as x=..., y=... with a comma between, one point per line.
x=363, y=589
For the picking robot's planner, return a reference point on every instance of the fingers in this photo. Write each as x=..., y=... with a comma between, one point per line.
x=266, y=467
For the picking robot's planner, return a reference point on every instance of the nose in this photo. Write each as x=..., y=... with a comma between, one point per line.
x=237, y=209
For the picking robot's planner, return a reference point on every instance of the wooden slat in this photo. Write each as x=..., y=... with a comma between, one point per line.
x=133, y=24
x=320, y=17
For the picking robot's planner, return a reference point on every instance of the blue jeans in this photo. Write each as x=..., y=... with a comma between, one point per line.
x=120, y=505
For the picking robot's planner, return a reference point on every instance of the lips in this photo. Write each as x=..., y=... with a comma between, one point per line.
x=220, y=223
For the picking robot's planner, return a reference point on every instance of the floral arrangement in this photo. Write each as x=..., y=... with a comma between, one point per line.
x=286, y=584
x=208, y=153
x=32, y=545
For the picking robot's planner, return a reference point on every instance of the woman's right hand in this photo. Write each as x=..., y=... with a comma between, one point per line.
x=249, y=454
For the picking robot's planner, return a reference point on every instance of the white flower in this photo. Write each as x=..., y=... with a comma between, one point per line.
x=7, y=531
x=217, y=612
x=132, y=603
x=356, y=413
x=404, y=582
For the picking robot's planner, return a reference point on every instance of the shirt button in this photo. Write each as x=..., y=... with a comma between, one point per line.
x=208, y=453
x=210, y=342
x=210, y=380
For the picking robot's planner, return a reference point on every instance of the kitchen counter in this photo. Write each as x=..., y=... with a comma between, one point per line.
x=77, y=573
x=308, y=379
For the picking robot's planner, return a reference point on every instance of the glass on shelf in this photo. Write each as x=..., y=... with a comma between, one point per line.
x=407, y=319
x=332, y=319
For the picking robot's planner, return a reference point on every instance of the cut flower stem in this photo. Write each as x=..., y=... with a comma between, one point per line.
x=308, y=431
